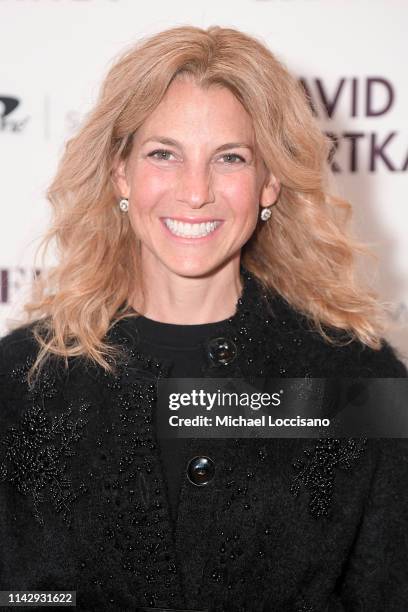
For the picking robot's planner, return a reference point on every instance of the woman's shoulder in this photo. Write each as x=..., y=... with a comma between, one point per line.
x=18, y=350
x=385, y=362
x=343, y=357
x=17, y=347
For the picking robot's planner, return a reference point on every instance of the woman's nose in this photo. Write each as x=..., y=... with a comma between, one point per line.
x=194, y=187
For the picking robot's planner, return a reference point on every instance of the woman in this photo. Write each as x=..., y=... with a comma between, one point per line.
x=196, y=238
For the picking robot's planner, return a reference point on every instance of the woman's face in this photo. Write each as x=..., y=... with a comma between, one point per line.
x=194, y=181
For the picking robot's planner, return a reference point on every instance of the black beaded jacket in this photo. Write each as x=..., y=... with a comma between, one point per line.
x=285, y=525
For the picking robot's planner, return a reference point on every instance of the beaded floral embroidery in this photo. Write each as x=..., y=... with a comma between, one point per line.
x=317, y=471
x=35, y=457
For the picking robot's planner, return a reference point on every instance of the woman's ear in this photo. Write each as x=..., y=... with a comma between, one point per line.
x=270, y=191
x=119, y=178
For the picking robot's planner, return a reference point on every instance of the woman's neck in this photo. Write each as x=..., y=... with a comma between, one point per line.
x=174, y=298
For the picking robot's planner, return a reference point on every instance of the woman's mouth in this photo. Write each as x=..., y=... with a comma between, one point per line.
x=184, y=229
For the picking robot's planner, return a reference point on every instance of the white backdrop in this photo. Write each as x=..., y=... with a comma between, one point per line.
x=350, y=55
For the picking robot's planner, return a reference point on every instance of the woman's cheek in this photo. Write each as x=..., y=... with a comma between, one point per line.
x=242, y=190
x=153, y=179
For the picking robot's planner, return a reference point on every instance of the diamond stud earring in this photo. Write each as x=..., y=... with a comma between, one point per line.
x=266, y=214
x=124, y=205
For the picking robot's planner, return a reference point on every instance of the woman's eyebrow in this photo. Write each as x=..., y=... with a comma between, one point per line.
x=174, y=143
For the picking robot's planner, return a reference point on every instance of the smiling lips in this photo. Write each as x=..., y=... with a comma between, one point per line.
x=191, y=230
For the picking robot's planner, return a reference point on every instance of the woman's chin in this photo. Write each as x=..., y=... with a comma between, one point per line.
x=194, y=267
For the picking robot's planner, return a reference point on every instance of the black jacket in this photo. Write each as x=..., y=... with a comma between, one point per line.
x=293, y=525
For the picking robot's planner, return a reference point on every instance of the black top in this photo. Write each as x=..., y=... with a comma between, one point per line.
x=283, y=525
x=183, y=348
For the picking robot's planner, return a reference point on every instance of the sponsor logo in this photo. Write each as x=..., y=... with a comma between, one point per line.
x=350, y=98
x=9, y=119
x=14, y=280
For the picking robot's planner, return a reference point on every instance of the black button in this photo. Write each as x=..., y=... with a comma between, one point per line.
x=200, y=470
x=222, y=350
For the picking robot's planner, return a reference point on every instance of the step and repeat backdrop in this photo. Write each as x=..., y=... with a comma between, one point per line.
x=350, y=56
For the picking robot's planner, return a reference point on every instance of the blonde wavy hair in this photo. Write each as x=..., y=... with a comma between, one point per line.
x=304, y=253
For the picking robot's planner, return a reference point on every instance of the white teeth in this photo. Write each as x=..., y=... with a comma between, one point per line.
x=191, y=230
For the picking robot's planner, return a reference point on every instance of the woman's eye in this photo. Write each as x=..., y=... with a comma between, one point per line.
x=234, y=156
x=160, y=154
x=163, y=154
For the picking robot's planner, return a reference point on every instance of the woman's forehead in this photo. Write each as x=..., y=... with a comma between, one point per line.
x=189, y=108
